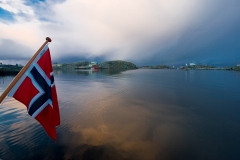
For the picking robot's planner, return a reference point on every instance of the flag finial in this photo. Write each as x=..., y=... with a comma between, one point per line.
x=22, y=71
x=48, y=39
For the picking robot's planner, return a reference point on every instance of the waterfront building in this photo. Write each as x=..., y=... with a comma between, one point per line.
x=238, y=64
x=192, y=64
x=56, y=65
x=94, y=63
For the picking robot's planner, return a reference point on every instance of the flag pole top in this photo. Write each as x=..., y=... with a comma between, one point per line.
x=22, y=71
x=48, y=39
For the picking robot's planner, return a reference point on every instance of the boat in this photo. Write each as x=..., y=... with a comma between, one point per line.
x=95, y=67
x=182, y=67
x=82, y=67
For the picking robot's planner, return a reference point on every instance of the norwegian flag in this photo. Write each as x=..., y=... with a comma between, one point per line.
x=37, y=91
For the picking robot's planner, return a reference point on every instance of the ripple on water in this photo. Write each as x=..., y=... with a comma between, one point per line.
x=17, y=128
x=141, y=114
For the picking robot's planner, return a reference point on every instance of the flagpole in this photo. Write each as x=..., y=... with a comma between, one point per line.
x=22, y=71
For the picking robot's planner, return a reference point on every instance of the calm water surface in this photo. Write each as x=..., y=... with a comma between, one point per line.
x=132, y=115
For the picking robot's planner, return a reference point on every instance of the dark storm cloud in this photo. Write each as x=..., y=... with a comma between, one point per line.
x=10, y=50
x=214, y=39
x=157, y=32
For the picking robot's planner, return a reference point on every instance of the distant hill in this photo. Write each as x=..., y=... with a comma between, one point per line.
x=10, y=69
x=237, y=68
x=118, y=64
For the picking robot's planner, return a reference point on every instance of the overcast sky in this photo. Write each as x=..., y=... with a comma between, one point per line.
x=145, y=32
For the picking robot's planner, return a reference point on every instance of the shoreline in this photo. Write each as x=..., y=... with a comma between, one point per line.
x=7, y=72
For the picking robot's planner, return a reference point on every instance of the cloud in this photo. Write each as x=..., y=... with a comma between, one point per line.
x=5, y=15
x=140, y=31
x=120, y=29
x=14, y=50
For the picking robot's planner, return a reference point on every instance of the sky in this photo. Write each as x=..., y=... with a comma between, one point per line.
x=145, y=32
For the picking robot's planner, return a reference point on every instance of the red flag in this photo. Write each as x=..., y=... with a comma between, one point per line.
x=37, y=91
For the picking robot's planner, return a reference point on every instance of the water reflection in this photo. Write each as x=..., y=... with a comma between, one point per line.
x=89, y=71
x=1, y=79
x=137, y=114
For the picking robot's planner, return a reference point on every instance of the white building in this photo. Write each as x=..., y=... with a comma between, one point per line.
x=238, y=64
x=56, y=65
x=192, y=64
x=92, y=63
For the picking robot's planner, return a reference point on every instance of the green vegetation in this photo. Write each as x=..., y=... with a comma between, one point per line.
x=117, y=65
x=105, y=65
x=10, y=69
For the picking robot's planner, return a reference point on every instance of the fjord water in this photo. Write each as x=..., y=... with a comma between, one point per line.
x=133, y=115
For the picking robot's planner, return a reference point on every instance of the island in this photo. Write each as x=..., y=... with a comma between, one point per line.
x=117, y=64
x=7, y=69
